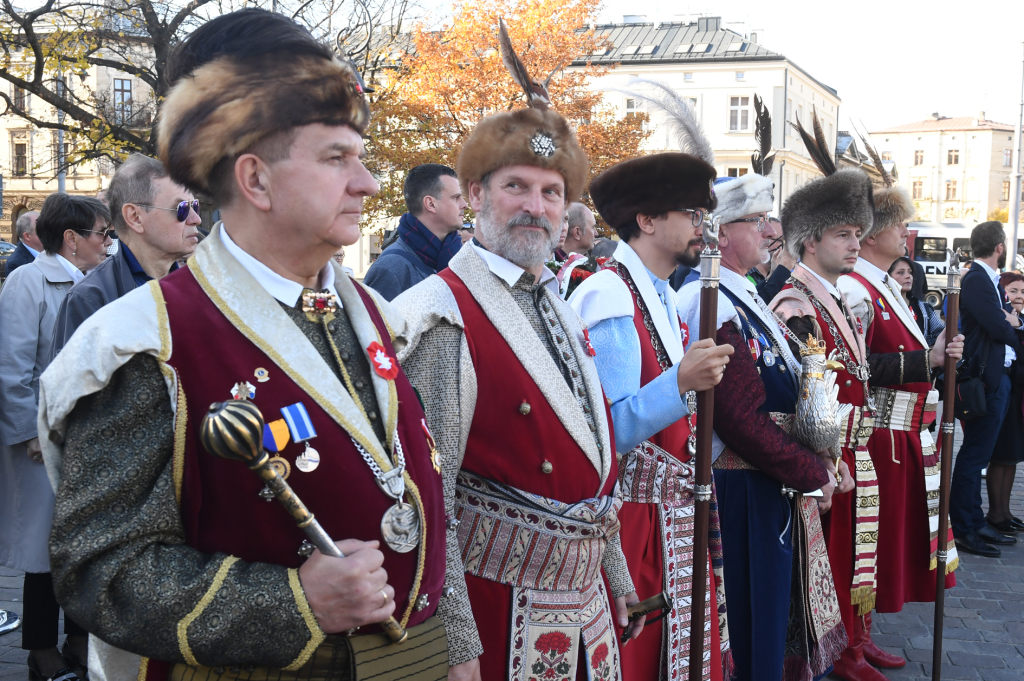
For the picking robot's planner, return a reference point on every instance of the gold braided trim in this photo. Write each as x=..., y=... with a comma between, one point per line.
x=181, y=411
x=316, y=634
x=143, y=669
x=204, y=602
x=368, y=444
x=864, y=599
x=421, y=559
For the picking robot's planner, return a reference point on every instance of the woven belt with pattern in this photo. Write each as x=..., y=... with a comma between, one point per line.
x=901, y=410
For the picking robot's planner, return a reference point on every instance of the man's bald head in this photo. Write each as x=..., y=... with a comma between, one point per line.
x=582, y=229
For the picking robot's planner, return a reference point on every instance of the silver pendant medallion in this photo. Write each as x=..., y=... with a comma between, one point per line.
x=308, y=461
x=400, y=527
x=769, y=358
x=691, y=445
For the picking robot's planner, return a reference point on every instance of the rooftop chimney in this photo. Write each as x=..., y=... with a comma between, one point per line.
x=709, y=23
x=981, y=116
x=935, y=116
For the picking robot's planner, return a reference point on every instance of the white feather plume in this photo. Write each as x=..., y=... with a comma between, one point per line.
x=685, y=127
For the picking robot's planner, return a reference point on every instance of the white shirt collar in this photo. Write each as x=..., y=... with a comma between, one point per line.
x=34, y=252
x=75, y=273
x=880, y=274
x=992, y=274
x=509, y=272
x=828, y=286
x=284, y=290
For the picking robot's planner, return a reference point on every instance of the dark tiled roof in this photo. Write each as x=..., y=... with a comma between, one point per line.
x=676, y=42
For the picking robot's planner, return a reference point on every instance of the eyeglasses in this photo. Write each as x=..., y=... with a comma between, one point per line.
x=182, y=209
x=696, y=216
x=761, y=221
x=107, y=233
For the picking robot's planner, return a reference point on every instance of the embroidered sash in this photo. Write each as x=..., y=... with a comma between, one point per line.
x=816, y=634
x=855, y=434
x=915, y=412
x=550, y=553
x=650, y=475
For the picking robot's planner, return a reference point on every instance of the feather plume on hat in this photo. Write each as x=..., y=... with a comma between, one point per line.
x=892, y=203
x=842, y=197
x=534, y=136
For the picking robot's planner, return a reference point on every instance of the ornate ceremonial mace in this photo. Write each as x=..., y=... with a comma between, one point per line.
x=946, y=459
x=710, y=262
x=234, y=430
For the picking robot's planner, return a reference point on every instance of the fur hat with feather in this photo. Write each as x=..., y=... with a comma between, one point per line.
x=534, y=136
x=893, y=204
x=753, y=192
x=245, y=76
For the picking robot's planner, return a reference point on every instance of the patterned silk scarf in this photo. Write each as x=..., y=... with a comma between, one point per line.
x=434, y=253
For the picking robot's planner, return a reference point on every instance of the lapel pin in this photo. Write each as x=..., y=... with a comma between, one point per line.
x=384, y=364
x=308, y=460
x=262, y=375
x=276, y=435
x=243, y=390
x=299, y=425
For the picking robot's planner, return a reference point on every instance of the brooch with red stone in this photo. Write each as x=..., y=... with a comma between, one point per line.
x=384, y=364
x=317, y=305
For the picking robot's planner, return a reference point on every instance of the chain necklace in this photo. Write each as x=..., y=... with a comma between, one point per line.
x=860, y=371
x=794, y=366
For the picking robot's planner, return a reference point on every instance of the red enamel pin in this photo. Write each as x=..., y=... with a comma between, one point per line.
x=384, y=364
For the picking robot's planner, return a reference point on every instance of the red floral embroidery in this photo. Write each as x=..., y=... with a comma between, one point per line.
x=599, y=662
x=553, y=641
x=552, y=664
x=384, y=364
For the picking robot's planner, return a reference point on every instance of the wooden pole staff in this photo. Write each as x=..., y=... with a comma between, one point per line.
x=710, y=263
x=946, y=459
x=234, y=430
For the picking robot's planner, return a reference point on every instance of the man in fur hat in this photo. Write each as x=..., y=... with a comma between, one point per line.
x=657, y=205
x=513, y=394
x=901, y=447
x=757, y=463
x=161, y=548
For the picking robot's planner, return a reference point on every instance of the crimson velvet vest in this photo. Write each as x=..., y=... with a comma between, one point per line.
x=505, y=445
x=219, y=500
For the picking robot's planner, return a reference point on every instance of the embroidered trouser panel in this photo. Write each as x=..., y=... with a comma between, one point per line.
x=550, y=554
x=854, y=437
x=650, y=475
x=914, y=412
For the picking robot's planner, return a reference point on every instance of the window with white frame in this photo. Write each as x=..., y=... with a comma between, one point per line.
x=739, y=114
x=919, y=157
x=953, y=157
x=918, y=190
x=122, y=100
x=886, y=155
x=740, y=75
x=736, y=172
x=20, y=158
x=951, y=190
x=688, y=77
x=1006, y=191
x=1007, y=158
x=20, y=98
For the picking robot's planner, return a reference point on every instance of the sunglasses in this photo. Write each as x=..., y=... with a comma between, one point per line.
x=182, y=209
x=107, y=233
x=761, y=221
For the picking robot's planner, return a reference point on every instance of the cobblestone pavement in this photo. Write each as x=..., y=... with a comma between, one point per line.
x=983, y=634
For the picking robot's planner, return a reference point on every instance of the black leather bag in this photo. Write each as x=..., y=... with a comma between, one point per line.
x=970, y=402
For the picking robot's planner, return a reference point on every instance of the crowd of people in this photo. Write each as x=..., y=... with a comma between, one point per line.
x=498, y=425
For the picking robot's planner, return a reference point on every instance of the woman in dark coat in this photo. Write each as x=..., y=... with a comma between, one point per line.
x=1009, y=449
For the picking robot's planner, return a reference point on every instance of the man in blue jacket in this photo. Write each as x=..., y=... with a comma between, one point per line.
x=993, y=342
x=428, y=235
x=29, y=245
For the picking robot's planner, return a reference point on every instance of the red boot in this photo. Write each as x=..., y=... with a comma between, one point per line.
x=876, y=655
x=851, y=665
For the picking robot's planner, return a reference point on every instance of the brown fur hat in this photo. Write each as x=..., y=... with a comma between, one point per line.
x=524, y=137
x=892, y=205
x=243, y=77
x=843, y=198
x=652, y=185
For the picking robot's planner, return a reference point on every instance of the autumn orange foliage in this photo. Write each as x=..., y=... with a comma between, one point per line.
x=448, y=78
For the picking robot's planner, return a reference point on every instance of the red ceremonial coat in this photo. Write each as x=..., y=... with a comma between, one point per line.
x=221, y=509
x=903, y=532
x=510, y=447
x=839, y=523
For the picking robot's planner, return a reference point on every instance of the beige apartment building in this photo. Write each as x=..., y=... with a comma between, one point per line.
x=720, y=69
x=28, y=155
x=956, y=169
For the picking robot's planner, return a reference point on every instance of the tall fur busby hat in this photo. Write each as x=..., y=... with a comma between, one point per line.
x=534, y=136
x=245, y=76
x=842, y=197
x=651, y=185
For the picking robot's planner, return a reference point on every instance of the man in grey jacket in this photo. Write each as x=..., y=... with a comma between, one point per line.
x=156, y=222
x=427, y=235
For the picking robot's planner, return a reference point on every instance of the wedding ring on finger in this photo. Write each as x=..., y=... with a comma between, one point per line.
x=385, y=595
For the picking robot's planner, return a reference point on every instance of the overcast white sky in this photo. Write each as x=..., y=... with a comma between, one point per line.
x=892, y=61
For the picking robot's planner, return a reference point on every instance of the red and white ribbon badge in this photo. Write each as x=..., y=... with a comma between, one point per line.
x=586, y=341
x=384, y=364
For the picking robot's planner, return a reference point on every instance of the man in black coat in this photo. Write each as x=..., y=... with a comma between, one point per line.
x=156, y=221
x=29, y=245
x=993, y=341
